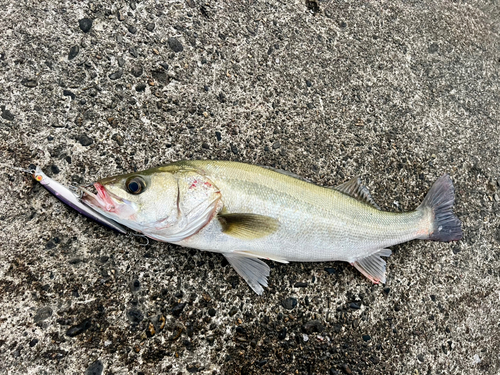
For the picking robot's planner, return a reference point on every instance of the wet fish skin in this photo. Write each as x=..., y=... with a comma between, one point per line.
x=248, y=212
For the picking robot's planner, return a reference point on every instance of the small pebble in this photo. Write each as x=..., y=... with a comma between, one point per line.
x=218, y=135
x=70, y=94
x=140, y=87
x=135, y=316
x=85, y=24
x=211, y=311
x=95, y=368
x=73, y=52
x=289, y=303
x=54, y=169
x=118, y=139
x=132, y=29
x=175, y=45
x=7, y=115
x=282, y=334
x=116, y=75
x=43, y=314
x=366, y=337
x=136, y=70
x=79, y=328
x=150, y=26
x=177, y=310
x=85, y=141
x=133, y=51
x=33, y=342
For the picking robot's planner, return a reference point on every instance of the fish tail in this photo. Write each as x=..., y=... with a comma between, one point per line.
x=444, y=226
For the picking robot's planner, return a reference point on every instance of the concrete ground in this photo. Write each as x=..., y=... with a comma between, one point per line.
x=396, y=92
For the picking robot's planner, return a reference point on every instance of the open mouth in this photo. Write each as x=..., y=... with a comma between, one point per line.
x=100, y=200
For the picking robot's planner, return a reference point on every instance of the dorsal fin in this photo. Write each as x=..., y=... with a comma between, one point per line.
x=355, y=189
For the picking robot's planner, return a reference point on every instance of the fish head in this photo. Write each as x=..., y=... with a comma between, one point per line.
x=163, y=203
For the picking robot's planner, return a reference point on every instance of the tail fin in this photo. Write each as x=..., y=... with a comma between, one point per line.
x=440, y=198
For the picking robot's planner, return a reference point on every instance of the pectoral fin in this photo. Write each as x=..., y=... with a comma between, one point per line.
x=373, y=266
x=248, y=226
x=253, y=270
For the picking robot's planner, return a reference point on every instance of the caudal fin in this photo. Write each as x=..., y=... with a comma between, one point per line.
x=440, y=198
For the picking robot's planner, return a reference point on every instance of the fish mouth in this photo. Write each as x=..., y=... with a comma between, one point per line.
x=103, y=199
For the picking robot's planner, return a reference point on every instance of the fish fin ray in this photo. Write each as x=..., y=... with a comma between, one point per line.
x=373, y=266
x=262, y=255
x=254, y=271
x=247, y=226
x=355, y=189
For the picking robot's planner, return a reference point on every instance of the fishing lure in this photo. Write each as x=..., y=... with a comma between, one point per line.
x=70, y=198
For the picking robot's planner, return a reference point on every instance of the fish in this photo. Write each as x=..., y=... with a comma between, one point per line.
x=249, y=213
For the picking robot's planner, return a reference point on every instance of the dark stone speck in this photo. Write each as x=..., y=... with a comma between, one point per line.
x=354, y=305
x=135, y=316
x=211, y=311
x=73, y=52
x=175, y=45
x=29, y=82
x=79, y=328
x=289, y=303
x=54, y=169
x=85, y=141
x=132, y=29
x=7, y=115
x=177, y=310
x=136, y=70
x=140, y=87
x=301, y=285
x=33, y=342
x=95, y=368
x=218, y=135
x=133, y=51
x=308, y=83
x=43, y=314
x=233, y=311
x=116, y=75
x=282, y=334
x=366, y=337
x=234, y=149
x=150, y=26
x=70, y=94
x=331, y=271
x=85, y=24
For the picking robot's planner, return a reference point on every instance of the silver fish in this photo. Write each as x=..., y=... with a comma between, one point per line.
x=249, y=213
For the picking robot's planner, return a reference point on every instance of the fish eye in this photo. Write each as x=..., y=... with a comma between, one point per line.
x=135, y=185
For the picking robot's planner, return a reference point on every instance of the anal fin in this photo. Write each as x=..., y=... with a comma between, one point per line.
x=252, y=270
x=373, y=266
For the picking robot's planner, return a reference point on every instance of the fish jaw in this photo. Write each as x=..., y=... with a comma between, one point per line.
x=108, y=202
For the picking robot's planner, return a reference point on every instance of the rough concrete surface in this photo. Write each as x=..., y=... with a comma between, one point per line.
x=395, y=92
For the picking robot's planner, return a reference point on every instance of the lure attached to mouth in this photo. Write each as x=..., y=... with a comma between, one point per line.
x=69, y=198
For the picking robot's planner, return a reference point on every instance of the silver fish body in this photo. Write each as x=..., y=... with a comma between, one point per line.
x=248, y=212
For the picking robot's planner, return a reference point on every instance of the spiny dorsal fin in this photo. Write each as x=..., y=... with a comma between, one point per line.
x=248, y=226
x=356, y=190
